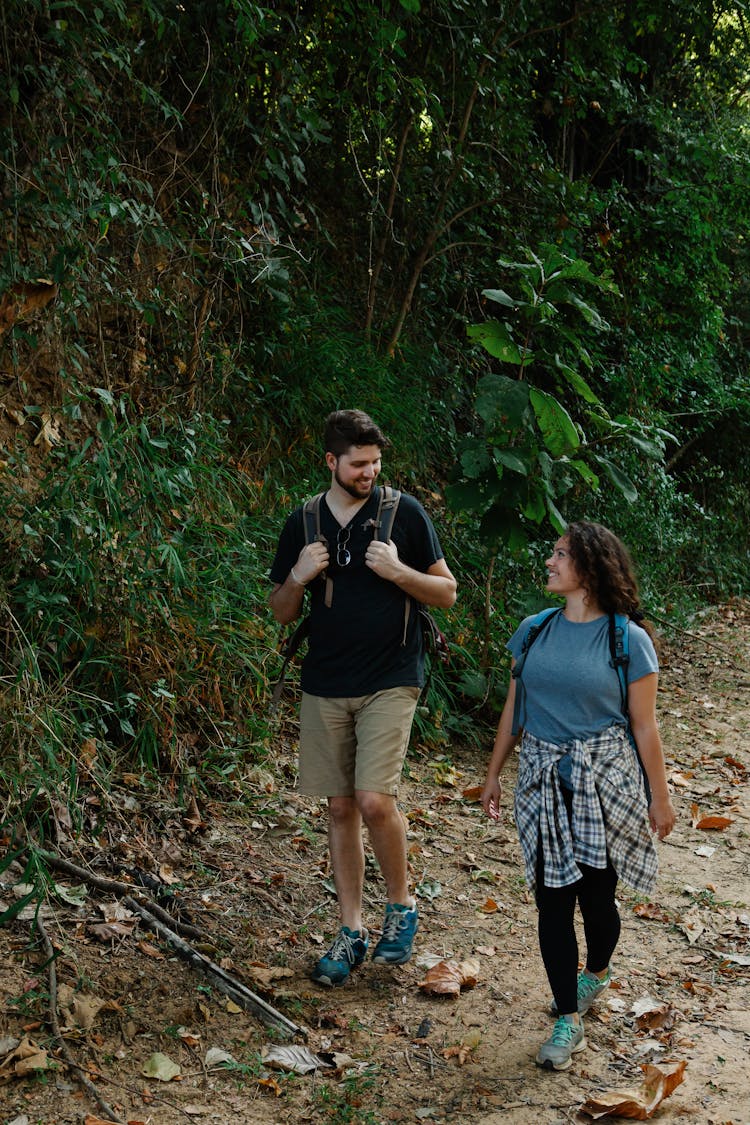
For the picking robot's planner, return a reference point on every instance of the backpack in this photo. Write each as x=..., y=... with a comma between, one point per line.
x=382, y=526
x=619, y=660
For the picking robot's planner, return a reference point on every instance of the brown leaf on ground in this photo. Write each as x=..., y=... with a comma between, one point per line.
x=447, y=978
x=714, y=822
x=642, y=1103
x=652, y=911
x=23, y=1059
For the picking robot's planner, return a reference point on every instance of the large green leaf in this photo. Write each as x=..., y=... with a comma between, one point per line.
x=558, y=430
x=465, y=496
x=535, y=508
x=496, y=339
x=500, y=297
x=511, y=461
x=576, y=381
x=578, y=270
x=556, y=517
x=475, y=459
x=501, y=401
x=499, y=523
x=620, y=479
x=586, y=472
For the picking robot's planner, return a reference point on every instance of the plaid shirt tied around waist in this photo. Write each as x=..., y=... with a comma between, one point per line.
x=610, y=815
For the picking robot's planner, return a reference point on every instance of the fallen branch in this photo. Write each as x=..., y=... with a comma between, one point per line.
x=166, y=926
x=57, y=1035
x=114, y=886
x=221, y=980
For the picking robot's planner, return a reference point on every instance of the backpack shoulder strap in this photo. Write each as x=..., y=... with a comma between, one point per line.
x=313, y=534
x=619, y=656
x=619, y=633
x=537, y=624
x=293, y=642
x=311, y=518
x=382, y=529
x=386, y=514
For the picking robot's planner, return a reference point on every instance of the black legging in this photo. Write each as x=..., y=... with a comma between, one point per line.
x=595, y=894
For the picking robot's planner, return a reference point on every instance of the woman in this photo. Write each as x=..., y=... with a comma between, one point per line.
x=580, y=802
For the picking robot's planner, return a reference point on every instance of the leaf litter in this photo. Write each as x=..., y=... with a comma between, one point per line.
x=257, y=887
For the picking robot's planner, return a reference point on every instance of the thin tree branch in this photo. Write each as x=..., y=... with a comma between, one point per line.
x=57, y=1035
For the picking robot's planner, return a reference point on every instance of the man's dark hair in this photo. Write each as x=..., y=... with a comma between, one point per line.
x=345, y=428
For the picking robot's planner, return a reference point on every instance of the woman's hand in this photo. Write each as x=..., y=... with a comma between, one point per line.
x=491, y=797
x=661, y=816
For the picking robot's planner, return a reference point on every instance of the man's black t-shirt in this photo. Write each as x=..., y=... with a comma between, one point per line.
x=356, y=646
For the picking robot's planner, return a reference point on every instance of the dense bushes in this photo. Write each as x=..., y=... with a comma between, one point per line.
x=247, y=217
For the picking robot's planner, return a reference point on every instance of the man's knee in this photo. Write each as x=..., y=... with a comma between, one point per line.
x=376, y=808
x=342, y=810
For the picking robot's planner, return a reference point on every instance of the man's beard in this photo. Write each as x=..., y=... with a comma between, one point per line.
x=354, y=490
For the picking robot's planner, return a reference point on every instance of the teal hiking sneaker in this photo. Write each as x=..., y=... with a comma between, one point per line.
x=346, y=953
x=589, y=988
x=566, y=1040
x=399, y=929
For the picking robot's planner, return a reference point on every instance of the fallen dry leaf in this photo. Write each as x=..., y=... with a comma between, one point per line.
x=265, y=975
x=714, y=822
x=447, y=978
x=150, y=950
x=161, y=1067
x=642, y=1103
x=298, y=1060
x=49, y=434
x=23, y=1059
x=107, y=931
x=272, y=1085
x=79, y=1009
x=652, y=911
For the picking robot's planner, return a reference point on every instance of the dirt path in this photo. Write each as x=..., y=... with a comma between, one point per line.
x=255, y=880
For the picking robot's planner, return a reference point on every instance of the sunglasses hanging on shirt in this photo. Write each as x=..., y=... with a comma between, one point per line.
x=343, y=554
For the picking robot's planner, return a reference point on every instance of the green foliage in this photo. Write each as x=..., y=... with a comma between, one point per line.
x=534, y=449
x=251, y=217
x=139, y=578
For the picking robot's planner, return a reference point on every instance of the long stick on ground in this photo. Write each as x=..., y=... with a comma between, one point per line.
x=116, y=887
x=226, y=984
x=166, y=926
x=55, y=1024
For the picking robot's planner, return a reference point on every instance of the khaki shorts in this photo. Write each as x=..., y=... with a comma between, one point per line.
x=354, y=743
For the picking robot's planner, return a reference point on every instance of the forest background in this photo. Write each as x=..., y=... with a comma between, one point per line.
x=515, y=233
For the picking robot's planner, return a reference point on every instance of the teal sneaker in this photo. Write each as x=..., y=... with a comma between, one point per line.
x=589, y=988
x=348, y=950
x=566, y=1040
x=399, y=929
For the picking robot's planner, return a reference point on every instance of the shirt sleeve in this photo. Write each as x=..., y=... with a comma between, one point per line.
x=643, y=658
x=291, y=542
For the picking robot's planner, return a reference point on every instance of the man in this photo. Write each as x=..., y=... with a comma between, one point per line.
x=360, y=677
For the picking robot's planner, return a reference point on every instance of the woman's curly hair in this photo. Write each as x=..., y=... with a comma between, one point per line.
x=605, y=569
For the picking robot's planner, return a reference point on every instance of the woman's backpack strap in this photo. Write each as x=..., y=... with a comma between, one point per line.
x=536, y=625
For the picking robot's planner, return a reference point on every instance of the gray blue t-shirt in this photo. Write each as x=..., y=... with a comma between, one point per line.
x=571, y=688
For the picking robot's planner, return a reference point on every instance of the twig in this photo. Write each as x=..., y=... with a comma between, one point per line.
x=114, y=886
x=226, y=984
x=701, y=640
x=55, y=1025
x=165, y=925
